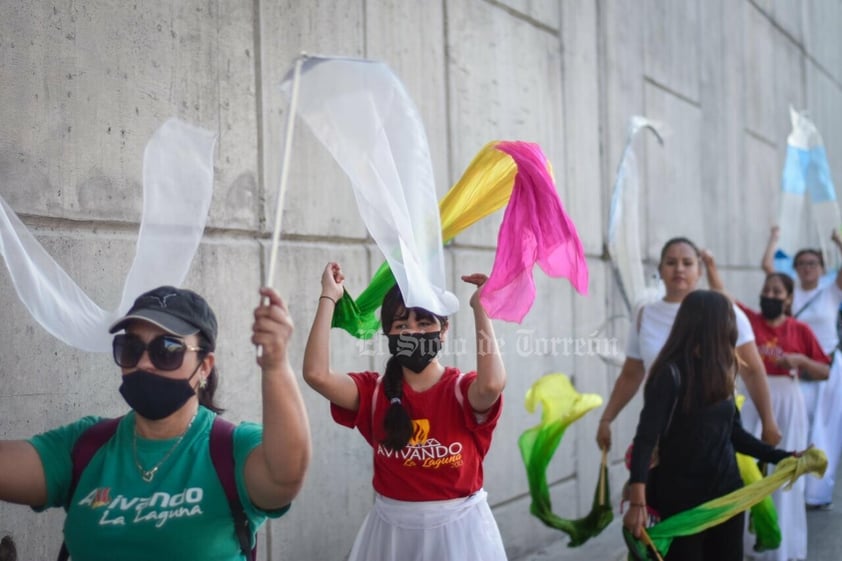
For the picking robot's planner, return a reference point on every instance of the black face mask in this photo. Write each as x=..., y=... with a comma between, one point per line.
x=155, y=397
x=771, y=308
x=415, y=350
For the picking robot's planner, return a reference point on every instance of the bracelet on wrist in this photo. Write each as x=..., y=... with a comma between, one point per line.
x=604, y=421
x=641, y=505
x=327, y=298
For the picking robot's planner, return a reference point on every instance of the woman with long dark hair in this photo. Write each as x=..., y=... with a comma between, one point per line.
x=680, y=268
x=429, y=427
x=690, y=413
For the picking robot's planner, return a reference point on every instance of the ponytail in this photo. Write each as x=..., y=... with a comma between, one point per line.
x=396, y=423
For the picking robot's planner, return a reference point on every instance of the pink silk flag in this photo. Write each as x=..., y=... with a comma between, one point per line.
x=535, y=229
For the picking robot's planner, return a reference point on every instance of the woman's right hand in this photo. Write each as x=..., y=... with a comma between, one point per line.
x=774, y=233
x=636, y=516
x=332, y=281
x=635, y=519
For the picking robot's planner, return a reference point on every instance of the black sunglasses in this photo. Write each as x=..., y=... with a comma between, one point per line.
x=165, y=351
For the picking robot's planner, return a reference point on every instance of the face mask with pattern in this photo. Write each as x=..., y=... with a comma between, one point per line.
x=415, y=350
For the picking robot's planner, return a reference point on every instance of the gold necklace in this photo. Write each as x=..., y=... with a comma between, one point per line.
x=149, y=474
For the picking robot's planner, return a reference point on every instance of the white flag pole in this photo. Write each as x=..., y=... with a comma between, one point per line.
x=290, y=127
x=282, y=187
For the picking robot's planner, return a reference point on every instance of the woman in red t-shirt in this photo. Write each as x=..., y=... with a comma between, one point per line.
x=790, y=351
x=429, y=427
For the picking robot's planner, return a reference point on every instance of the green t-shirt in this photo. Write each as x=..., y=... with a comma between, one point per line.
x=181, y=514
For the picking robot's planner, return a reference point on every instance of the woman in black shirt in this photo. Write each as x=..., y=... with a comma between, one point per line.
x=690, y=414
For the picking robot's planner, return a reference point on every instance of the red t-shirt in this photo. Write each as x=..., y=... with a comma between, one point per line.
x=443, y=459
x=792, y=336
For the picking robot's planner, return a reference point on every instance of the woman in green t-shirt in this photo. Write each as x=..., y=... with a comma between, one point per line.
x=151, y=490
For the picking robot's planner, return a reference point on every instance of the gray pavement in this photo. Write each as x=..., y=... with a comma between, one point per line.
x=824, y=539
x=824, y=529
x=608, y=546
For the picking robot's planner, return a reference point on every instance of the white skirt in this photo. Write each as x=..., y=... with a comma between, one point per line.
x=452, y=530
x=825, y=429
x=791, y=416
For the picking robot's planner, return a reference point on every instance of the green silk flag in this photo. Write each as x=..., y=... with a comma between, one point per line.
x=717, y=511
x=561, y=405
x=764, y=517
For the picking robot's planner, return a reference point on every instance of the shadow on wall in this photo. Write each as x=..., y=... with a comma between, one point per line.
x=8, y=551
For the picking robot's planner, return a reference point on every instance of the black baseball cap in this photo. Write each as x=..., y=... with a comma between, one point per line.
x=175, y=310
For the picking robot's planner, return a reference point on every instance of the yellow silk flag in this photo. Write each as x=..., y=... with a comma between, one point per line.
x=483, y=189
x=561, y=405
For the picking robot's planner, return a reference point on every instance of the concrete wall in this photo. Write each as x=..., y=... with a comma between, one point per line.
x=83, y=84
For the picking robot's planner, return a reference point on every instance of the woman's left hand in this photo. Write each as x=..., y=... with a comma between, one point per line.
x=272, y=330
x=477, y=279
x=799, y=453
x=707, y=258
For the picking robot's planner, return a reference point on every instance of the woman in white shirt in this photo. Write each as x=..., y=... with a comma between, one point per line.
x=680, y=269
x=817, y=304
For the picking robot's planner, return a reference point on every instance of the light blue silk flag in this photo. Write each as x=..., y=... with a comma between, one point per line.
x=806, y=174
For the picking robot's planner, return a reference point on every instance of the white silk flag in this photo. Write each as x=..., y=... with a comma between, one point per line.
x=624, y=221
x=177, y=190
x=360, y=111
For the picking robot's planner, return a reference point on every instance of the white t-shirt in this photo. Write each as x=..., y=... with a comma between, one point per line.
x=656, y=324
x=821, y=314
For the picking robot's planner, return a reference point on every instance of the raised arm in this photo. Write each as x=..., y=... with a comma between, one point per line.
x=275, y=469
x=626, y=386
x=768, y=262
x=837, y=241
x=714, y=280
x=338, y=388
x=22, y=478
x=491, y=373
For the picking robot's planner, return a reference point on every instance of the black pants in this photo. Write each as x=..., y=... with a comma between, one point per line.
x=720, y=543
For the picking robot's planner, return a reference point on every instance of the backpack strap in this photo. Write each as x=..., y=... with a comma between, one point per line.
x=222, y=456
x=810, y=301
x=676, y=379
x=86, y=446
